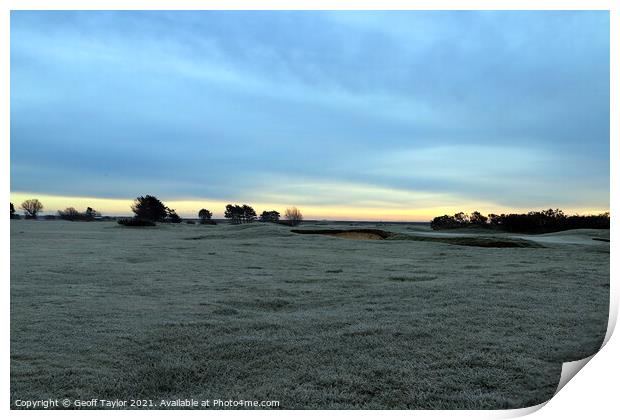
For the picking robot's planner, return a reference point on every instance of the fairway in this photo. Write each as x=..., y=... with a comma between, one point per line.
x=256, y=312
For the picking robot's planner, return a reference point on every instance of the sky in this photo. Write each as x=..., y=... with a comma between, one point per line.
x=346, y=115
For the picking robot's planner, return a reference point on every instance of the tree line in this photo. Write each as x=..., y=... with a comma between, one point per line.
x=149, y=210
x=33, y=207
x=532, y=222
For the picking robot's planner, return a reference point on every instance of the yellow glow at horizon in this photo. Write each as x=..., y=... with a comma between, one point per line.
x=190, y=208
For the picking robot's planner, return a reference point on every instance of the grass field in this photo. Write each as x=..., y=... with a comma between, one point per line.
x=256, y=312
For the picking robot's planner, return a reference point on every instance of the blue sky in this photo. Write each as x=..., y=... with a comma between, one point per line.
x=397, y=115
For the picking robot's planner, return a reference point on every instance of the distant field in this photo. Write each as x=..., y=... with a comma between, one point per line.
x=256, y=312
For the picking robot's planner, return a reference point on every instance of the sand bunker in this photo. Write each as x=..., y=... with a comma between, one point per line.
x=358, y=234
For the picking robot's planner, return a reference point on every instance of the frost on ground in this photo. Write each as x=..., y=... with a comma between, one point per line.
x=256, y=312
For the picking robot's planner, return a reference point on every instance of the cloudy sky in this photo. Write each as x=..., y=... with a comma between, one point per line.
x=354, y=115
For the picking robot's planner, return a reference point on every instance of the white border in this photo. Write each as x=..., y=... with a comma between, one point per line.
x=592, y=394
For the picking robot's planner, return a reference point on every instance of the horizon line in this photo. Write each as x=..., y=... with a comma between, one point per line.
x=188, y=208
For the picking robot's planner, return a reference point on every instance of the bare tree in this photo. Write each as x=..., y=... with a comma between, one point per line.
x=31, y=208
x=293, y=215
x=70, y=213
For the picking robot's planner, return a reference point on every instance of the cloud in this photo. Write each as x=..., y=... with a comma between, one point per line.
x=496, y=107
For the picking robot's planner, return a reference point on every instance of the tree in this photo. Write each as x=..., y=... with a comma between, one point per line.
x=149, y=208
x=476, y=218
x=70, y=213
x=532, y=222
x=270, y=216
x=239, y=214
x=461, y=218
x=233, y=213
x=12, y=211
x=91, y=213
x=249, y=215
x=204, y=215
x=293, y=215
x=444, y=222
x=172, y=216
x=496, y=219
x=31, y=208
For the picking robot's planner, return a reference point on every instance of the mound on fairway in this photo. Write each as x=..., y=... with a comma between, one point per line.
x=378, y=234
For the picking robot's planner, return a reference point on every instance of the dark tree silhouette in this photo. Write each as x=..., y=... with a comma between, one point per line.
x=476, y=218
x=533, y=222
x=496, y=219
x=149, y=208
x=204, y=214
x=461, y=218
x=205, y=217
x=91, y=213
x=444, y=222
x=249, y=215
x=294, y=216
x=70, y=213
x=31, y=208
x=239, y=214
x=12, y=211
x=270, y=216
x=172, y=216
x=233, y=213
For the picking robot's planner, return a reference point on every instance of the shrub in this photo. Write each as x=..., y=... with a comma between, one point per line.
x=190, y=222
x=135, y=222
